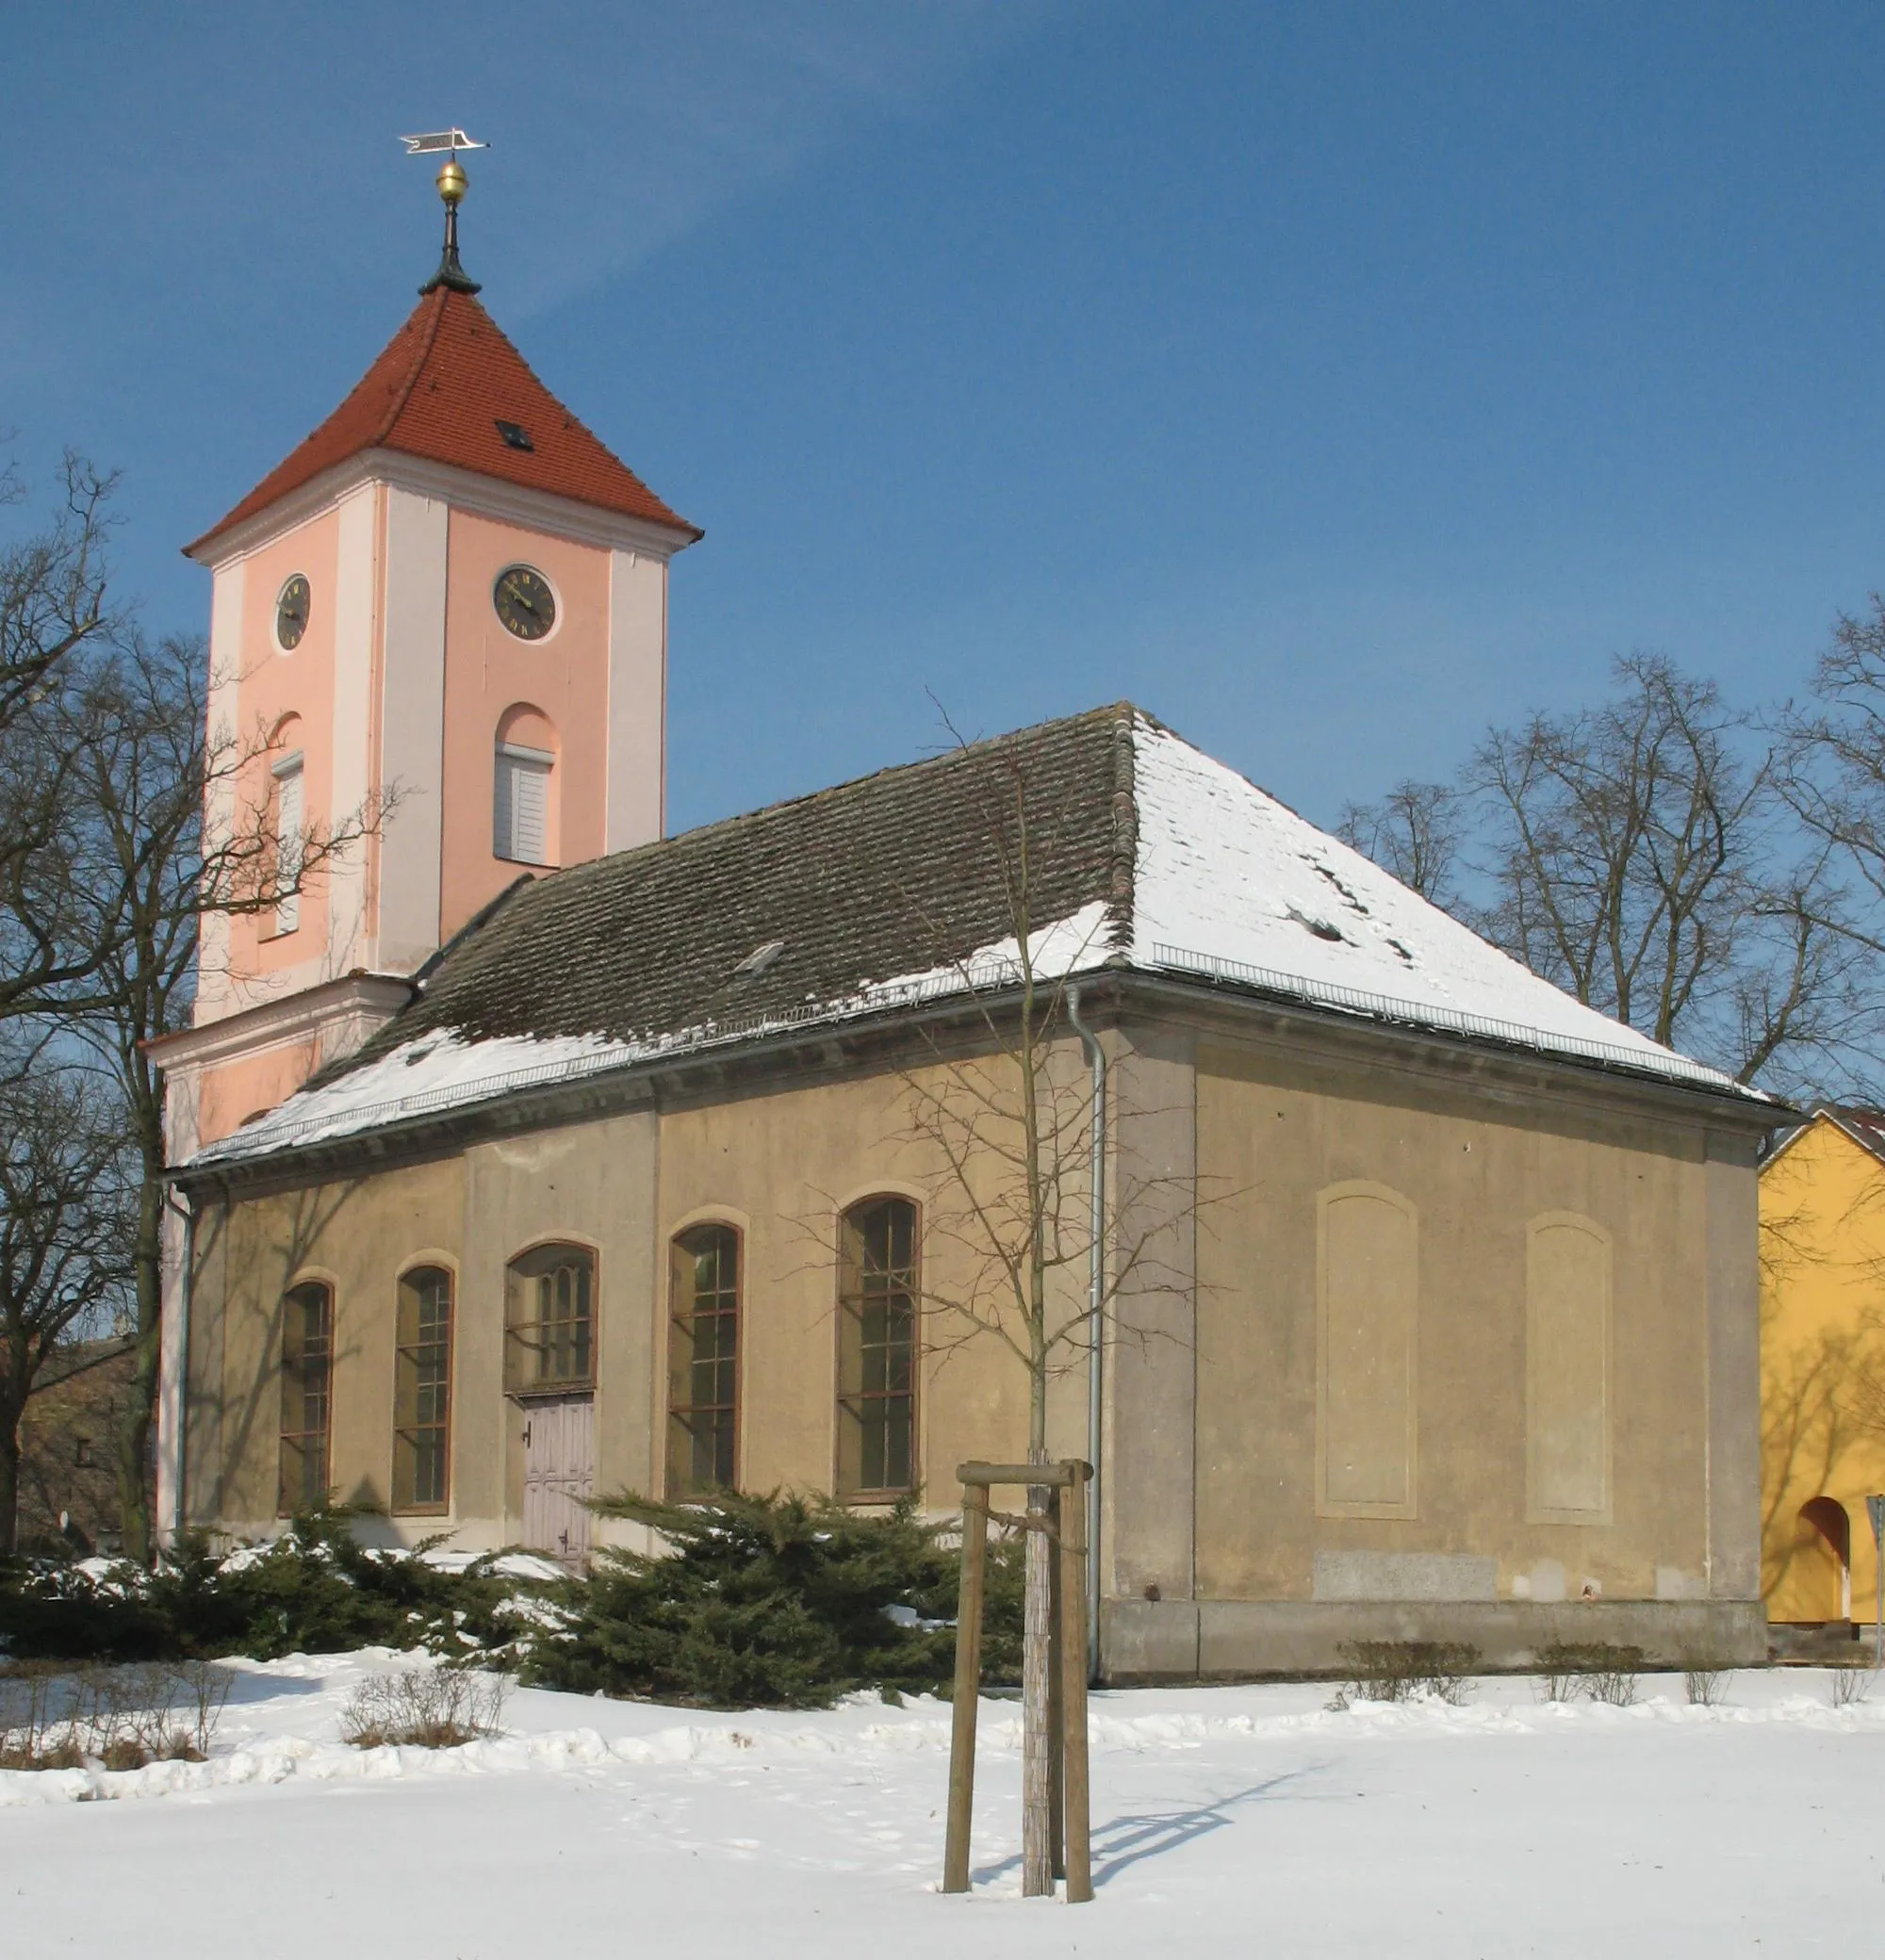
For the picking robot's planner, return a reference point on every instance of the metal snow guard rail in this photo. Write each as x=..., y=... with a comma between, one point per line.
x=1381, y=1006
x=267, y=1137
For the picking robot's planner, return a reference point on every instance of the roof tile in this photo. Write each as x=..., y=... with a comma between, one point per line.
x=888, y=875
x=438, y=391
x=1142, y=853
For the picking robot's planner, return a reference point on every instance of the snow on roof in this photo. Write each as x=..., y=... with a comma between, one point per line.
x=1227, y=884
x=1228, y=881
x=440, y=1072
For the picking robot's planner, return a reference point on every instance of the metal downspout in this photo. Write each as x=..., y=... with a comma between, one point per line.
x=1096, y=1283
x=179, y=1511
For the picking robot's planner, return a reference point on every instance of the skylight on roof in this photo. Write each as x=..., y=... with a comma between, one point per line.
x=759, y=959
x=516, y=435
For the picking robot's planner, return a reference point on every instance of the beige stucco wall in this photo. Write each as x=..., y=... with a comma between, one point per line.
x=592, y=1184
x=780, y=1167
x=1217, y=1552
x=358, y=1237
x=783, y=1167
x=1478, y=1174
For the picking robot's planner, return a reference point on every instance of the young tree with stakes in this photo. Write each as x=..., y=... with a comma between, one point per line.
x=1000, y=1124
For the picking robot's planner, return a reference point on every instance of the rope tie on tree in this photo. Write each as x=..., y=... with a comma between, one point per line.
x=1028, y=1521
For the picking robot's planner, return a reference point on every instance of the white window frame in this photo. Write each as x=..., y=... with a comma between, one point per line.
x=516, y=764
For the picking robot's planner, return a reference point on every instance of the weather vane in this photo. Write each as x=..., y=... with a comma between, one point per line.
x=452, y=184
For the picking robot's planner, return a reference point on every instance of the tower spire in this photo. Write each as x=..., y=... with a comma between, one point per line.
x=452, y=184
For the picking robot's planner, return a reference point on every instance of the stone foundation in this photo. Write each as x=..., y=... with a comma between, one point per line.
x=1143, y=1641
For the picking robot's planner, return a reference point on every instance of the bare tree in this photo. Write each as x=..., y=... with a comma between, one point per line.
x=142, y=875
x=999, y=1129
x=52, y=584
x=54, y=611
x=1641, y=854
x=1415, y=832
x=108, y=771
x=67, y=1199
x=1621, y=864
x=1831, y=771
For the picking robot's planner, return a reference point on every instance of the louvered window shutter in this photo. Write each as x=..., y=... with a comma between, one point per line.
x=287, y=843
x=520, y=806
x=531, y=792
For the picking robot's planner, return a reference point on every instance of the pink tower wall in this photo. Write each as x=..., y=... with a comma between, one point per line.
x=271, y=684
x=489, y=671
x=404, y=680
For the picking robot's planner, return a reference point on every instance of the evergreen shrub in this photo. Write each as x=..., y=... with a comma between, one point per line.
x=313, y=1590
x=779, y=1601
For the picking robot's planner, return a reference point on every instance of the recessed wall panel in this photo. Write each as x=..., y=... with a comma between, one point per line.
x=1368, y=1323
x=1567, y=1287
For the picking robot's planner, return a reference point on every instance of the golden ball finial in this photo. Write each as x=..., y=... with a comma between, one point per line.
x=452, y=182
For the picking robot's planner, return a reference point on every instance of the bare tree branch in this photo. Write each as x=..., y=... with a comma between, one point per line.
x=1415, y=832
x=1653, y=857
x=67, y=1188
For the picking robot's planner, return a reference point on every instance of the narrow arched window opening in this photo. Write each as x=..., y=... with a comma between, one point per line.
x=423, y=1392
x=307, y=1398
x=287, y=825
x=703, y=1360
x=523, y=794
x=878, y=1348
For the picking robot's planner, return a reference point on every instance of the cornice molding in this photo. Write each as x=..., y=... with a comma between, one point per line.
x=1123, y=1004
x=463, y=489
x=273, y=1024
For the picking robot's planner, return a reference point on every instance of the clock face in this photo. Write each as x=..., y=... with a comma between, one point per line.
x=525, y=602
x=291, y=614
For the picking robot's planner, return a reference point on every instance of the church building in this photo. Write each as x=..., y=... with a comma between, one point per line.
x=529, y=1154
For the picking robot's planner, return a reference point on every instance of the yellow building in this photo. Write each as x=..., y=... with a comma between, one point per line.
x=1821, y=1367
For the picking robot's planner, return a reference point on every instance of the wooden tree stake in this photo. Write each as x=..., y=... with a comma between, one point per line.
x=1075, y=1792
x=968, y=1686
x=1073, y=1820
x=1057, y=1728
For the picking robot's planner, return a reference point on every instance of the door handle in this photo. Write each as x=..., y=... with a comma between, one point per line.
x=527, y=1435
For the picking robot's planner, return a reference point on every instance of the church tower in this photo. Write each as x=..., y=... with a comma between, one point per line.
x=448, y=605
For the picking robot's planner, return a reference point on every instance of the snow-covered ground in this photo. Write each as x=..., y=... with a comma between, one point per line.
x=1226, y=1821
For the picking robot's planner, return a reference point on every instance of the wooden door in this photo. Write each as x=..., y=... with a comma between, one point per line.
x=559, y=1469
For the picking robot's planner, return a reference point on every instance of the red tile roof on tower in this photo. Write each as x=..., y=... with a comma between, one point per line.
x=438, y=391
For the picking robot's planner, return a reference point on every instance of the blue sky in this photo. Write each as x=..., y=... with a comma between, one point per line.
x=1332, y=380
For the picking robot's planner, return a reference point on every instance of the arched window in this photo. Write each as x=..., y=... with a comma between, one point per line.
x=523, y=796
x=549, y=1320
x=423, y=1392
x=307, y=1397
x=876, y=1349
x=703, y=1360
